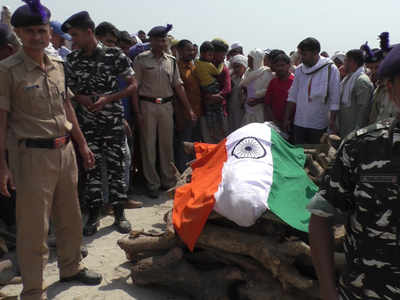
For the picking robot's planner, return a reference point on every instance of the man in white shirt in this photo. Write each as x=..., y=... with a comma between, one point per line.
x=314, y=95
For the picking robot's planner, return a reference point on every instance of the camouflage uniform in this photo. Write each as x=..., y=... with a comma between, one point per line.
x=364, y=185
x=104, y=130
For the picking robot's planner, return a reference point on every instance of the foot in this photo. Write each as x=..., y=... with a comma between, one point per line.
x=121, y=223
x=93, y=222
x=86, y=277
x=153, y=194
x=130, y=204
x=84, y=251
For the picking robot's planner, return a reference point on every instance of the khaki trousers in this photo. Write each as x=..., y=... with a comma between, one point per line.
x=46, y=182
x=158, y=126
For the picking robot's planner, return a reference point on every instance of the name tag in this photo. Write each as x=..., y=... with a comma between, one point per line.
x=379, y=179
x=31, y=87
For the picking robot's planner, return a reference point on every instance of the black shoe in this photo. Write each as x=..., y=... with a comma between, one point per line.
x=84, y=251
x=153, y=194
x=93, y=222
x=86, y=277
x=122, y=224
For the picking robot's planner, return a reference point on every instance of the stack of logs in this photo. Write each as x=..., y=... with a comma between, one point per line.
x=268, y=261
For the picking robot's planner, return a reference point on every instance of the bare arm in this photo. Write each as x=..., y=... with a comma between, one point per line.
x=322, y=250
x=289, y=112
x=6, y=178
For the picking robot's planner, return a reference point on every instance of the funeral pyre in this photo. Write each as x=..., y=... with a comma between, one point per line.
x=268, y=261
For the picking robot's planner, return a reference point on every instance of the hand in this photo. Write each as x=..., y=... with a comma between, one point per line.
x=286, y=126
x=252, y=102
x=128, y=130
x=87, y=157
x=216, y=98
x=84, y=100
x=99, y=104
x=6, y=179
x=333, y=128
x=193, y=116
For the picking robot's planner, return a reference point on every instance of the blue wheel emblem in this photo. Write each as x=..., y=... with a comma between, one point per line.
x=249, y=147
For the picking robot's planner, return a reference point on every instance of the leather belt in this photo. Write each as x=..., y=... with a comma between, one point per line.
x=55, y=143
x=156, y=100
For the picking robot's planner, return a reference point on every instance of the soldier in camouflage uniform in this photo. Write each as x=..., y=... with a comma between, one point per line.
x=363, y=185
x=92, y=74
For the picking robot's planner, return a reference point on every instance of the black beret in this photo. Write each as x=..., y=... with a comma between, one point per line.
x=5, y=34
x=80, y=19
x=391, y=64
x=31, y=14
x=377, y=56
x=160, y=31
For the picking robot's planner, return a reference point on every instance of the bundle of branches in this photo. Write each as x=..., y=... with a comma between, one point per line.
x=269, y=260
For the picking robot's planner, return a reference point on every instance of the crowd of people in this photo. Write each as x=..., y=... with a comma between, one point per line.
x=128, y=102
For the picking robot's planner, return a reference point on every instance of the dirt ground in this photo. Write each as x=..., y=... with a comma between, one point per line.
x=107, y=258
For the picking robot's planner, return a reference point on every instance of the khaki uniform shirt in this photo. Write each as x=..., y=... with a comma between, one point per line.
x=156, y=77
x=34, y=99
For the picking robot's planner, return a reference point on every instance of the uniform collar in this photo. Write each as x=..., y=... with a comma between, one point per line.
x=98, y=50
x=164, y=55
x=30, y=64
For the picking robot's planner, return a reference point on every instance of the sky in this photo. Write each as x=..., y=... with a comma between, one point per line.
x=338, y=25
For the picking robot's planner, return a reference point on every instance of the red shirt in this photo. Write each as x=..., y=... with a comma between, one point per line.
x=277, y=94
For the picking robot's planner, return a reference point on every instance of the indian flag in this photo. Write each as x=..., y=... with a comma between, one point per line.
x=253, y=170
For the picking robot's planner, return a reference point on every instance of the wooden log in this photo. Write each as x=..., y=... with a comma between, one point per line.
x=7, y=271
x=132, y=247
x=272, y=255
x=173, y=271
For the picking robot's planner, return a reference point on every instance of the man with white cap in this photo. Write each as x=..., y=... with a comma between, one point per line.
x=236, y=49
x=58, y=39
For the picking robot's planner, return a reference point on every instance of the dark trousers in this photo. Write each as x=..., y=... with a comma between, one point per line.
x=303, y=135
x=107, y=142
x=190, y=133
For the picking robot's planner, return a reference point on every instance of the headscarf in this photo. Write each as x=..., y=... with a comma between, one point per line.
x=239, y=59
x=258, y=67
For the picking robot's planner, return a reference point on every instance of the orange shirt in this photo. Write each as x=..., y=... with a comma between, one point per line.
x=192, y=86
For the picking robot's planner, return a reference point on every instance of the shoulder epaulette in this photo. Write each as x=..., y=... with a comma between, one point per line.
x=385, y=124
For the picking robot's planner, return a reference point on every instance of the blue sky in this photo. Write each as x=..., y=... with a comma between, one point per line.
x=339, y=24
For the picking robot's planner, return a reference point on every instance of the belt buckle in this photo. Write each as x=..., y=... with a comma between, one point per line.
x=59, y=142
x=159, y=100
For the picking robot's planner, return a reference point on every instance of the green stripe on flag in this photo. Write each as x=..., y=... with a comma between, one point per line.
x=291, y=189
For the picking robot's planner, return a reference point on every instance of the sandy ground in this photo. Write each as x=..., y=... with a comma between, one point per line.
x=107, y=258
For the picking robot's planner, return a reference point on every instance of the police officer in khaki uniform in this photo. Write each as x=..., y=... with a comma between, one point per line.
x=158, y=79
x=37, y=122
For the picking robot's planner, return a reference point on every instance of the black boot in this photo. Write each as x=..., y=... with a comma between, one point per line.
x=85, y=276
x=93, y=222
x=122, y=224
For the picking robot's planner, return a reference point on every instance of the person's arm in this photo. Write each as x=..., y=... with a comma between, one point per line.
x=78, y=137
x=291, y=102
x=180, y=91
x=105, y=99
x=268, y=114
x=334, y=97
x=6, y=177
x=225, y=80
x=364, y=90
x=125, y=71
x=334, y=198
x=322, y=253
x=288, y=117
